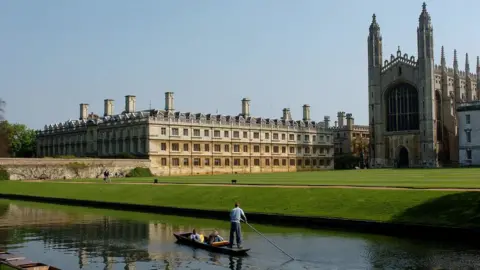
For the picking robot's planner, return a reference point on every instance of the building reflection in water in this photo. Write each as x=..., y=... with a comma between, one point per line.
x=235, y=263
x=114, y=241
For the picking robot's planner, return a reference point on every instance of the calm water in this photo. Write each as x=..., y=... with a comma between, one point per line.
x=81, y=238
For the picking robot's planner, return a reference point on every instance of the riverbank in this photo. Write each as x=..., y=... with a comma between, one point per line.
x=391, y=212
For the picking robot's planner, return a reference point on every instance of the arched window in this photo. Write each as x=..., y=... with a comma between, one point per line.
x=402, y=108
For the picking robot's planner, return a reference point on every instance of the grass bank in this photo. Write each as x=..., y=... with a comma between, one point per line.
x=438, y=208
x=416, y=178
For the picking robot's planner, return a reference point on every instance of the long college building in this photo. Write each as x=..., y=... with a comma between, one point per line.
x=186, y=143
x=413, y=101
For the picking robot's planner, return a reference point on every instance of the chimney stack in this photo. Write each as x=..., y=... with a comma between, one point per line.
x=246, y=107
x=326, y=120
x=341, y=119
x=83, y=111
x=169, y=102
x=306, y=112
x=349, y=121
x=287, y=116
x=129, y=104
x=108, y=107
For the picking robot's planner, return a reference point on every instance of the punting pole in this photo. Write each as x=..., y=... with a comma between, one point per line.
x=291, y=257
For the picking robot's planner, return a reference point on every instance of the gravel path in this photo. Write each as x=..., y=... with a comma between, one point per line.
x=262, y=186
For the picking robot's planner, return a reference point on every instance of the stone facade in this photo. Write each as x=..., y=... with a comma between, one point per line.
x=348, y=137
x=53, y=168
x=469, y=133
x=412, y=102
x=179, y=143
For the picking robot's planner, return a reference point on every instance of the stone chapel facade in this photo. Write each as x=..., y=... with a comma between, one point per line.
x=412, y=102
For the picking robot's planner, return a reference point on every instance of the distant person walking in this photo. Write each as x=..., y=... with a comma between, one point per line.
x=106, y=176
x=235, y=217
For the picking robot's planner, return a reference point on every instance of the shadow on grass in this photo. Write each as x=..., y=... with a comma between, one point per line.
x=453, y=210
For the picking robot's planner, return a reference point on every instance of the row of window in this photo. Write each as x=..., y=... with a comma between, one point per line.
x=354, y=135
x=129, y=132
x=244, y=134
x=102, y=134
x=219, y=162
x=175, y=147
x=134, y=146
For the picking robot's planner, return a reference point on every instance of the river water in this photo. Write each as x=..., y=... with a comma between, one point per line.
x=82, y=238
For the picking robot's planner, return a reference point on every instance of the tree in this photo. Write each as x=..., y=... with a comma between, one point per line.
x=20, y=139
x=3, y=133
x=359, y=145
x=360, y=149
x=2, y=108
x=346, y=161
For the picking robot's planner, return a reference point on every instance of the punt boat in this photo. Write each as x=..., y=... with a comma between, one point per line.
x=220, y=247
x=10, y=261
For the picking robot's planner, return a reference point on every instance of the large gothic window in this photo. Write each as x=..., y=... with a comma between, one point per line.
x=402, y=108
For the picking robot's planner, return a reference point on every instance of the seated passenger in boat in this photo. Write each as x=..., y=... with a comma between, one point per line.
x=214, y=237
x=195, y=236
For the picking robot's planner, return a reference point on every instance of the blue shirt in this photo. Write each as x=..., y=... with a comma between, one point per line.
x=236, y=214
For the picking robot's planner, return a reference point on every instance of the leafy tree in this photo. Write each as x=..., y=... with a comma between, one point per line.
x=3, y=132
x=20, y=138
x=346, y=161
x=2, y=108
x=359, y=145
x=360, y=149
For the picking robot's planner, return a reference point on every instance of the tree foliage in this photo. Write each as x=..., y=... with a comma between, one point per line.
x=359, y=145
x=16, y=140
x=20, y=139
x=346, y=161
x=360, y=149
x=3, y=133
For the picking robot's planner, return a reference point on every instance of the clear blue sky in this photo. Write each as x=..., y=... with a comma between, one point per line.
x=280, y=53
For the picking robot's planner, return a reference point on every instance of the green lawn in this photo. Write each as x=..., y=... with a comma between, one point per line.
x=461, y=177
x=411, y=206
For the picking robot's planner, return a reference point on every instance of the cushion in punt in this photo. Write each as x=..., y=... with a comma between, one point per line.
x=220, y=244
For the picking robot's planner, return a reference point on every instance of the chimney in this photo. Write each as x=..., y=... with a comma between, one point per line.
x=306, y=112
x=129, y=104
x=349, y=121
x=341, y=118
x=336, y=123
x=169, y=102
x=246, y=107
x=108, y=107
x=326, y=120
x=83, y=111
x=287, y=116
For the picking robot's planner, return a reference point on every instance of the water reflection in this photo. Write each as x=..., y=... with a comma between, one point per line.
x=80, y=240
x=235, y=263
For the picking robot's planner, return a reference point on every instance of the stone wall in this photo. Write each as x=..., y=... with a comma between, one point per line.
x=53, y=168
x=189, y=170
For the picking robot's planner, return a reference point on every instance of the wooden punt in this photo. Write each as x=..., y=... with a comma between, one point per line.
x=9, y=261
x=184, y=238
x=6, y=256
